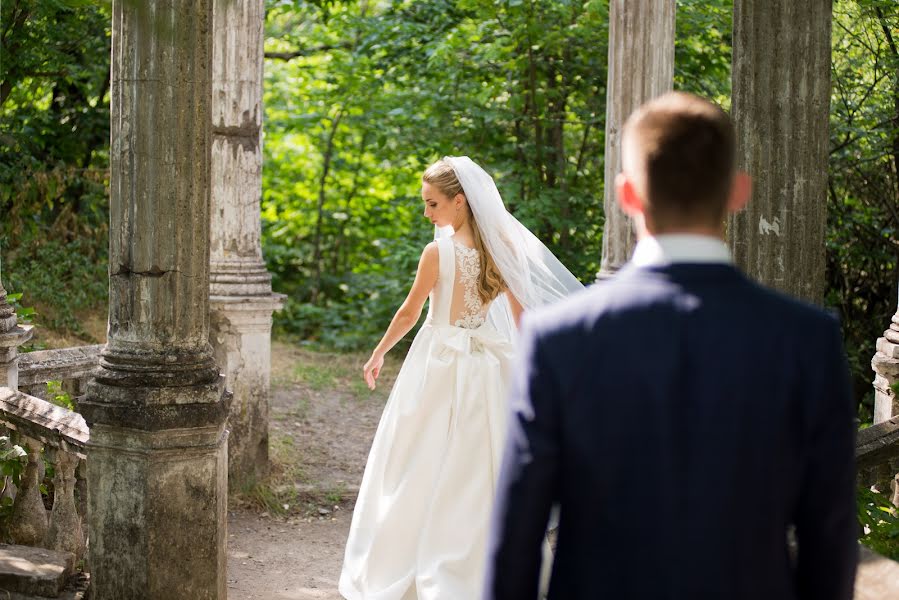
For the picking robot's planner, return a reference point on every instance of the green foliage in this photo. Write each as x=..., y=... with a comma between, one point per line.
x=54, y=137
x=59, y=396
x=703, y=48
x=69, y=276
x=52, y=114
x=863, y=215
x=371, y=95
x=361, y=96
x=880, y=523
x=24, y=314
x=13, y=459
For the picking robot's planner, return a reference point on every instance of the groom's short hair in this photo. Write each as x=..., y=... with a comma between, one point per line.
x=680, y=151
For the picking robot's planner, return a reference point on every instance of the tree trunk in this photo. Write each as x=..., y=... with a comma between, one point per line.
x=320, y=219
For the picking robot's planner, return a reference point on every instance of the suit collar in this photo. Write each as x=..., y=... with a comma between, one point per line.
x=717, y=272
x=680, y=248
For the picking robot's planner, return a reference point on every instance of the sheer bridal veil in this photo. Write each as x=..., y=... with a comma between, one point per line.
x=532, y=273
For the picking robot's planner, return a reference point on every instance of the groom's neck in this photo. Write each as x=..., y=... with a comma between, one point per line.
x=705, y=230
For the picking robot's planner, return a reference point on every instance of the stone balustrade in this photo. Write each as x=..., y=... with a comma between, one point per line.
x=47, y=432
x=71, y=366
x=877, y=461
x=877, y=457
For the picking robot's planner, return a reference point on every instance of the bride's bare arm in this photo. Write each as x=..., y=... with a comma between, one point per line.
x=516, y=308
x=408, y=313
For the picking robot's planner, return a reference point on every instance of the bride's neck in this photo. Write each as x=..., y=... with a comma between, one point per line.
x=462, y=225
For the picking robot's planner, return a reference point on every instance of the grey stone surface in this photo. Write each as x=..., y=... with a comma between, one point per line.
x=28, y=571
x=65, y=533
x=641, y=67
x=781, y=101
x=241, y=336
x=877, y=443
x=877, y=457
x=44, y=421
x=878, y=577
x=157, y=511
x=56, y=365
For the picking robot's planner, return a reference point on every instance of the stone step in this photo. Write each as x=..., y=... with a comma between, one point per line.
x=878, y=577
x=75, y=590
x=27, y=572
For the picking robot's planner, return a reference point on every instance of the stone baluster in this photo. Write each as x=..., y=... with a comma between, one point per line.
x=641, y=67
x=81, y=489
x=241, y=298
x=12, y=336
x=156, y=407
x=65, y=532
x=781, y=108
x=28, y=522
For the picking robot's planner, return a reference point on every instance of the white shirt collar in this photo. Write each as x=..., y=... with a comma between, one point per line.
x=680, y=248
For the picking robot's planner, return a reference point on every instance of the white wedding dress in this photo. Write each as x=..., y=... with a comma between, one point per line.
x=420, y=526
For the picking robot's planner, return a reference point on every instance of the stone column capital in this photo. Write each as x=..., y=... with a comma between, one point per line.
x=15, y=337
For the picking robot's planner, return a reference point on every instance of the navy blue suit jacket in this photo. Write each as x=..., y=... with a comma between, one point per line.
x=683, y=418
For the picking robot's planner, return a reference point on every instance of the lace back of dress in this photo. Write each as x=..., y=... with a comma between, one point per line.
x=466, y=308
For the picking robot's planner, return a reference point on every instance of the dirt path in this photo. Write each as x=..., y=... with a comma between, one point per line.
x=285, y=559
x=286, y=536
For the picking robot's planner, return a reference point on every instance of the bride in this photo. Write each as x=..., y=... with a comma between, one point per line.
x=419, y=530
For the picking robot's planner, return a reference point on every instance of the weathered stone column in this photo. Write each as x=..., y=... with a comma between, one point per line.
x=157, y=456
x=12, y=336
x=641, y=67
x=241, y=298
x=781, y=106
x=886, y=373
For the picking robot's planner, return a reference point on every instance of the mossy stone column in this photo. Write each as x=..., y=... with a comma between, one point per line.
x=241, y=298
x=157, y=457
x=641, y=67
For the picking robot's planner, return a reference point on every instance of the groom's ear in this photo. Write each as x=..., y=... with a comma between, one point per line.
x=626, y=194
x=740, y=191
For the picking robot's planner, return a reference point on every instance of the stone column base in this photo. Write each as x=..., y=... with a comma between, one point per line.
x=240, y=334
x=158, y=513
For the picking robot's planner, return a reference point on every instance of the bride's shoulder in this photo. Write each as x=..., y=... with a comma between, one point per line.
x=430, y=254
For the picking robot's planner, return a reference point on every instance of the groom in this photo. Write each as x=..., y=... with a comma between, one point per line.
x=682, y=417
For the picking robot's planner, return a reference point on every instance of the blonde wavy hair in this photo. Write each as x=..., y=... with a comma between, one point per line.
x=490, y=282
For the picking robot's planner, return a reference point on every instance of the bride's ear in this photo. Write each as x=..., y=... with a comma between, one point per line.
x=460, y=200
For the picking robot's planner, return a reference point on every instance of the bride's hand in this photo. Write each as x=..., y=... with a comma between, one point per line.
x=372, y=369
